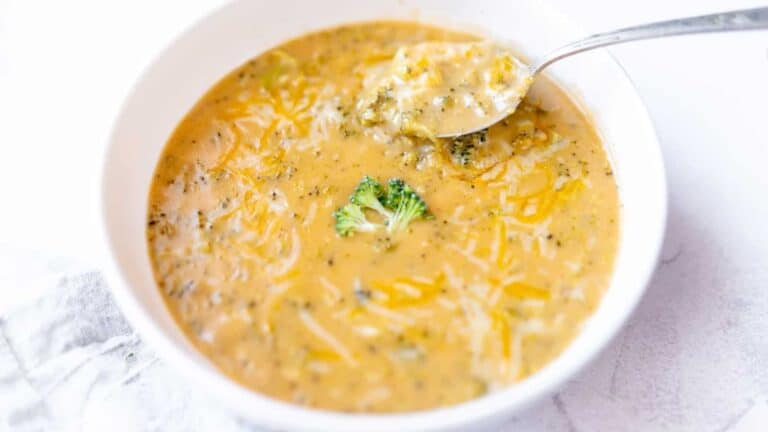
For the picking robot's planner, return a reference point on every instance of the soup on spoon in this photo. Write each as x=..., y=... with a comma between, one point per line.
x=440, y=89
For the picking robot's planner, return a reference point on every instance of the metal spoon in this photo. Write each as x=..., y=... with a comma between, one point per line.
x=748, y=19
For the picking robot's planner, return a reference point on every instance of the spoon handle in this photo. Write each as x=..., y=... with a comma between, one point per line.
x=748, y=19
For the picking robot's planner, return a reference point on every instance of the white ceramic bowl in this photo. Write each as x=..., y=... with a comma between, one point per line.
x=243, y=29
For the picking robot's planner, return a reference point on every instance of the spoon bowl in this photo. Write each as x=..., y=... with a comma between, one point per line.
x=443, y=89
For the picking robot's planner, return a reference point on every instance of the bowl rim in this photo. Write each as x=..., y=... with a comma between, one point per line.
x=279, y=414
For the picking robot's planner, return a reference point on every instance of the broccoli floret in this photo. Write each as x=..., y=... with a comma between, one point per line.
x=350, y=219
x=405, y=204
x=368, y=194
x=399, y=205
x=462, y=148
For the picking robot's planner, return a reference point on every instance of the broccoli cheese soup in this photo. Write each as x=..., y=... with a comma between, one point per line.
x=318, y=255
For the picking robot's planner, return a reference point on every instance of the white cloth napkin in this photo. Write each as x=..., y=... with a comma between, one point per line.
x=69, y=361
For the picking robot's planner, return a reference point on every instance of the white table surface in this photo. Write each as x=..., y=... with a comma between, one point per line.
x=694, y=357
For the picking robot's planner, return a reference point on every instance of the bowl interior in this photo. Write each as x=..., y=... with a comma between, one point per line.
x=243, y=29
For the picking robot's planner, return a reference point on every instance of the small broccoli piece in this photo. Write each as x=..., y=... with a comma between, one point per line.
x=399, y=205
x=462, y=148
x=351, y=219
x=368, y=194
x=406, y=205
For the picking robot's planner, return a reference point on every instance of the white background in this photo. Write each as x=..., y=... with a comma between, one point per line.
x=694, y=356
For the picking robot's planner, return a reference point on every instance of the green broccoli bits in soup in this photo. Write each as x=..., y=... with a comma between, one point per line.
x=314, y=239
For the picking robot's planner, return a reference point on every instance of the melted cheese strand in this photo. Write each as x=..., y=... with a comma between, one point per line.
x=316, y=329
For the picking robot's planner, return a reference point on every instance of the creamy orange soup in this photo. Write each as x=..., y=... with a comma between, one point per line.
x=483, y=288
